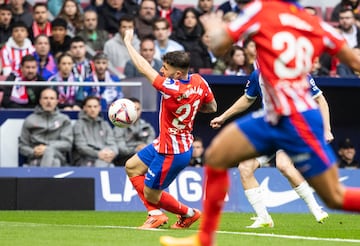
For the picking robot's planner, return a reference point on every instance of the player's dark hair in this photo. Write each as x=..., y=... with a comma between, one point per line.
x=178, y=59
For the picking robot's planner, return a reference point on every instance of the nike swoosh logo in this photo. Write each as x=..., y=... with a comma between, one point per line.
x=63, y=175
x=279, y=198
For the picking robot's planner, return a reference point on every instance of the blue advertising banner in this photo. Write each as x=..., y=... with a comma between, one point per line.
x=114, y=191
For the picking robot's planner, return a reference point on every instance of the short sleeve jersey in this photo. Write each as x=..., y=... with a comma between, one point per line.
x=287, y=41
x=253, y=86
x=180, y=101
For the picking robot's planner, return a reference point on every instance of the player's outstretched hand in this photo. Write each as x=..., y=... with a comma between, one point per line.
x=212, y=21
x=129, y=34
x=217, y=122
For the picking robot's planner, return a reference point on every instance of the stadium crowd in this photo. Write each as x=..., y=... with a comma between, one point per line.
x=68, y=41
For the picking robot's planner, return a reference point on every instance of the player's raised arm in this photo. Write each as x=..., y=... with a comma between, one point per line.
x=140, y=63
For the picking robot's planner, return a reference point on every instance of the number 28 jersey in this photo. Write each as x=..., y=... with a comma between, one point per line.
x=180, y=102
x=287, y=41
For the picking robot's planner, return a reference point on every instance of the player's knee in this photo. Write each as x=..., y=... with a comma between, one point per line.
x=151, y=197
x=334, y=200
x=246, y=169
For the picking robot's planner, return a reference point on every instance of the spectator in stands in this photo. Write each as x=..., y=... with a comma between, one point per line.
x=166, y=10
x=106, y=94
x=211, y=58
x=344, y=71
x=352, y=4
x=237, y=63
x=15, y=48
x=147, y=50
x=94, y=143
x=251, y=54
x=133, y=138
x=41, y=24
x=46, y=135
x=70, y=97
x=94, y=37
x=205, y=6
x=189, y=33
x=347, y=154
x=21, y=96
x=144, y=20
x=197, y=158
x=163, y=44
x=111, y=11
x=233, y=5
x=59, y=40
x=94, y=4
x=5, y=23
x=348, y=28
x=115, y=48
x=21, y=11
x=318, y=69
x=56, y=5
x=45, y=60
x=82, y=67
x=71, y=12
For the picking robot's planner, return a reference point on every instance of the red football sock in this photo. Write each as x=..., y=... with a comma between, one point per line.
x=216, y=187
x=352, y=199
x=169, y=203
x=138, y=183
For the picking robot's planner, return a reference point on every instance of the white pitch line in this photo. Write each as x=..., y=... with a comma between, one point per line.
x=344, y=240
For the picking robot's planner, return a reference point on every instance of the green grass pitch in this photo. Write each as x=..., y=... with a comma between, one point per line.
x=119, y=228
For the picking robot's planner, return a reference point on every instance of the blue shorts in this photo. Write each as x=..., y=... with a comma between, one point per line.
x=163, y=168
x=300, y=135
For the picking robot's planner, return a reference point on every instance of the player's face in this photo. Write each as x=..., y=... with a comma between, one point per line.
x=42, y=46
x=90, y=21
x=101, y=66
x=92, y=108
x=19, y=34
x=29, y=69
x=161, y=32
x=168, y=71
x=40, y=15
x=48, y=100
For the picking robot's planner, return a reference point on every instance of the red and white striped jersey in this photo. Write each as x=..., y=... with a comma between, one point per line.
x=180, y=101
x=11, y=55
x=287, y=41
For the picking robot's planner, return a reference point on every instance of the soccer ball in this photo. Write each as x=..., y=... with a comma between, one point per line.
x=122, y=113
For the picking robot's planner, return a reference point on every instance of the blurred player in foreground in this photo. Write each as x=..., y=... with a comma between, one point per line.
x=154, y=167
x=253, y=191
x=287, y=39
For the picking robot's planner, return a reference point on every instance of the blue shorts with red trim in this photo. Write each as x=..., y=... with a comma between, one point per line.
x=300, y=135
x=163, y=168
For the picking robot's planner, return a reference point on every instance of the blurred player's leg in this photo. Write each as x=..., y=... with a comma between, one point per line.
x=302, y=188
x=333, y=193
x=254, y=193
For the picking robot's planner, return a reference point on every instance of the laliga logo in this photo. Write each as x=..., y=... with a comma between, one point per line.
x=188, y=186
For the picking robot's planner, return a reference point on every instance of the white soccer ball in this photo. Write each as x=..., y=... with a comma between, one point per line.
x=122, y=113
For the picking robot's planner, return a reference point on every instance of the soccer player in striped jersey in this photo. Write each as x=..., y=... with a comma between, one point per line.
x=247, y=168
x=154, y=167
x=287, y=40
